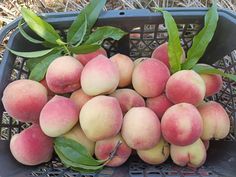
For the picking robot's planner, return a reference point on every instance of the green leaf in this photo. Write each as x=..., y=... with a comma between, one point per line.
x=76, y=35
x=203, y=38
x=26, y=36
x=34, y=54
x=82, y=49
x=105, y=32
x=174, y=46
x=40, y=27
x=91, y=11
x=206, y=69
x=77, y=166
x=40, y=69
x=75, y=152
x=31, y=63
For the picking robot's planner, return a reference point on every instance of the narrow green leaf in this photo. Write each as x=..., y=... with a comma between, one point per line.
x=82, y=49
x=40, y=27
x=78, y=34
x=34, y=54
x=203, y=38
x=76, y=165
x=26, y=36
x=174, y=46
x=91, y=11
x=75, y=152
x=206, y=69
x=31, y=63
x=105, y=32
x=39, y=71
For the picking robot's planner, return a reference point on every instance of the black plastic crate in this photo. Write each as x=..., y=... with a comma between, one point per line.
x=146, y=32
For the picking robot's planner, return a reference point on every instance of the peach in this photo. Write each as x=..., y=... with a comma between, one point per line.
x=141, y=128
x=104, y=148
x=80, y=98
x=125, y=66
x=213, y=83
x=50, y=93
x=216, y=122
x=149, y=77
x=99, y=76
x=161, y=53
x=78, y=135
x=101, y=118
x=85, y=58
x=185, y=86
x=139, y=60
x=128, y=98
x=58, y=116
x=193, y=155
x=156, y=155
x=24, y=99
x=63, y=75
x=31, y=146
x=206, y=144
x=159, y=104
x=181, y=124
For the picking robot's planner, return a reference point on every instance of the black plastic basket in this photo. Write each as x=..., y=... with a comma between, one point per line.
x=146, y=32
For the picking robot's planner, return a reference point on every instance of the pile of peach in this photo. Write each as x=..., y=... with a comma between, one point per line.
x=137, y=103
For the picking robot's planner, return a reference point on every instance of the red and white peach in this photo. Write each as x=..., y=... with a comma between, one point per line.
x=193, y=155
x=63, y=78
x=185, y=86
x=99, y=76
x=24, y=99
x=58, y=116
x=216, y=122
x=101, y=117
x=149, y=77
x=156, y=155
x=141, y=128
x=126, y=67
x=104, y=148
x=128, y=98
x=31, y=146
x=181, y=124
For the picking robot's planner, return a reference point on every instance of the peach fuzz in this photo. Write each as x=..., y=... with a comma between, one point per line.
x=141, y=128
x=156, y=155
x=99, y=76
x=125, y=66
x=63, y=75
x=185, y=86
x=104, y=148
x=128, y=98
x=216, y=122
x=77, y=134
x=85, y=58
x=149, y=77
x=161, y=53
x=80, y=98
x=213, y=83
x=193, y=155
x=58, y=116
x=101, y=118
x=24, y=99
x=181, y=124
x=31, y=146
x=159, y=104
